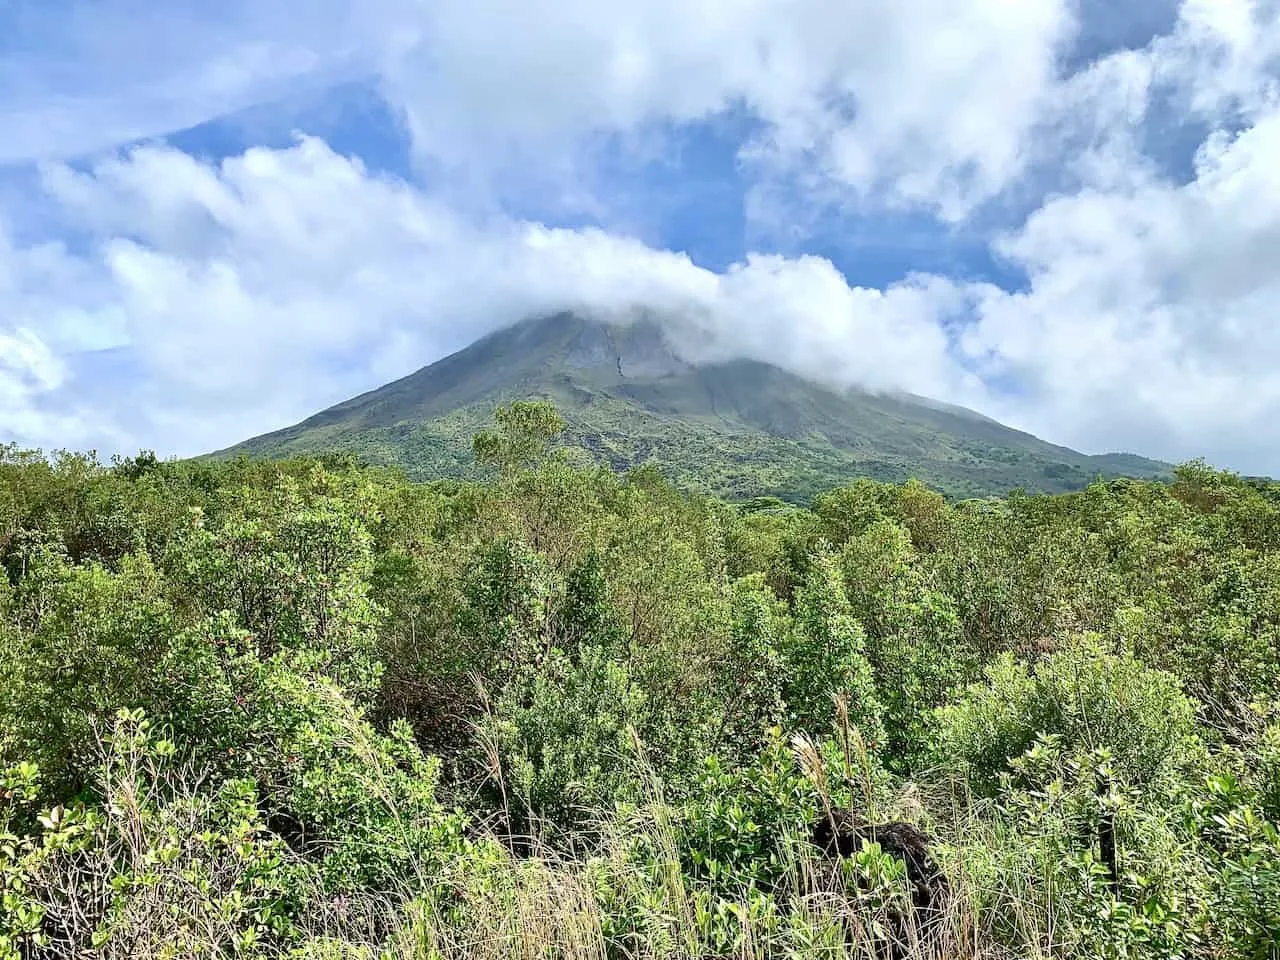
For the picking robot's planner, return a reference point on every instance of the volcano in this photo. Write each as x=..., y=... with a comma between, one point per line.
x=738, y=428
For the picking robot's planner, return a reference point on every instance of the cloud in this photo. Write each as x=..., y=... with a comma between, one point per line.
x=250, y=293
x=81, y=76
x=901, y=101
x=1150, y=316
x=37, y=405
x=29, y=373
x=27, y=366
x=185, y=304
x=1148, y=320
x=898, y=101
x=1224, y=56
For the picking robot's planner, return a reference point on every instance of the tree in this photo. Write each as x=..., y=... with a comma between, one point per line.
x=827, y=657
x=524, y=436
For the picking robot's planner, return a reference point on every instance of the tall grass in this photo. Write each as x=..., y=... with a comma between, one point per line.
x=175, y=872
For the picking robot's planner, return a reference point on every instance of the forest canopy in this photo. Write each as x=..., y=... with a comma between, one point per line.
x=310, y=709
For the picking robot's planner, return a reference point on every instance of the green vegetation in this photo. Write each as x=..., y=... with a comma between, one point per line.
x=736, y=429
x=310, y=709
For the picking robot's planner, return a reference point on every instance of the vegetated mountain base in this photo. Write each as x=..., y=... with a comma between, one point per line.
x=736, y=429
x=306, y=709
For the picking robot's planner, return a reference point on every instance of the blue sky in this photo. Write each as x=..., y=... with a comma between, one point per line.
x=216, y=219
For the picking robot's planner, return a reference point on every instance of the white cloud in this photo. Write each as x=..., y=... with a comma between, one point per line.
x=1151, y=313
x=257, y=291
x=915, y=101
x=1219, y=68
x=1224, y=55
x=29, y=373
x=251, y=292
x=81, y=76
x=904, y=101
x=1149, y=321
x=27, y=363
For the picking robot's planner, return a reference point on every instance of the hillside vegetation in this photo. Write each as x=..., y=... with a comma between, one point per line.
x=735, y=428
x=307, y=709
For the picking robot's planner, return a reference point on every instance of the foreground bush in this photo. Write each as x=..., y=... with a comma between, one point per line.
x=309, y=710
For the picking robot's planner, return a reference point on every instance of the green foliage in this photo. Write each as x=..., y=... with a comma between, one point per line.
x=505, y=616
x=740, y=825
x=826, y=657
x=566, y=740
x=913, y=635
x=310, y=709
x=1089, y=698
x=154, y=869
x=89, y=642
x=740, y=429
x=1268, y=767
x=292, y=567
x=360, y=802
x=750, y=679
x=1244, y=899
x=524, y=435
x=847, y=511
x=1055, y=801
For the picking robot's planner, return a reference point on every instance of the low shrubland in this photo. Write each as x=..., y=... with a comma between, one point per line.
x=308, y=709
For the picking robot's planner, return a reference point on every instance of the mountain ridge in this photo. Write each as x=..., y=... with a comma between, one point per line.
x=736, y=427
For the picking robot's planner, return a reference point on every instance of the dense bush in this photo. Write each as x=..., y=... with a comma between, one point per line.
x=307, y=709
x=1082, y=695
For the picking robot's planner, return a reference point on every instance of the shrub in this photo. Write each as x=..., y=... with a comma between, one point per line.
x=564, y=740
x=1086, y=696
x=826, y=657
x=88, y=642
x=157, y=868
x=913, y=637
x=357, y=801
